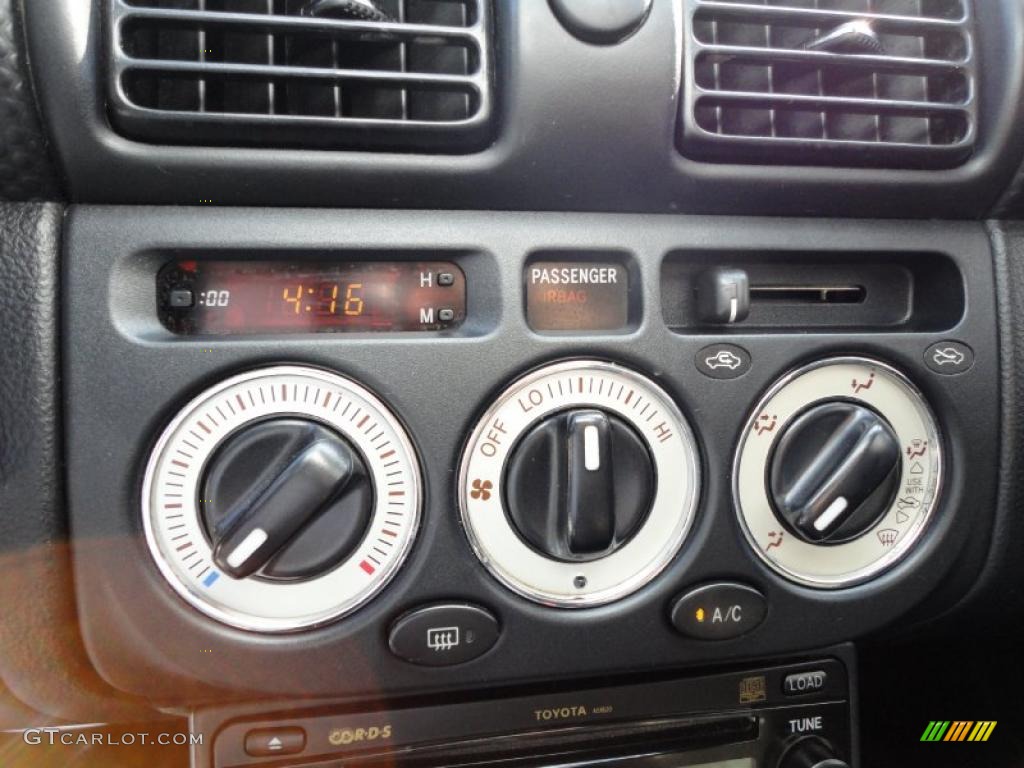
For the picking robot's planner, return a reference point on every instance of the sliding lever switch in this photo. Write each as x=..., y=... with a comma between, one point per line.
x=723, y=296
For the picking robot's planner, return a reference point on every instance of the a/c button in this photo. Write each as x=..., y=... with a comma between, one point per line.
x=719, y=611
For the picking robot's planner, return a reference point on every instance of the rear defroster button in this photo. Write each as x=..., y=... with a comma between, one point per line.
x=443, y=635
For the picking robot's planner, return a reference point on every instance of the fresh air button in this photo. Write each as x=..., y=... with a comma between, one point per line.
x=267, y=742
x=800, y=683
x=443, y=635
x=719, y=611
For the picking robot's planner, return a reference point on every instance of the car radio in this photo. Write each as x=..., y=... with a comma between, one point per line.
x=791, y=715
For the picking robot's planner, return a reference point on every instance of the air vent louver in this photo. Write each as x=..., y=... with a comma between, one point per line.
x=411, y=75
x=830, y=82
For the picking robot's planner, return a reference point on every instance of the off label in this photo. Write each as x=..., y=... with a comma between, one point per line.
x=494, y=438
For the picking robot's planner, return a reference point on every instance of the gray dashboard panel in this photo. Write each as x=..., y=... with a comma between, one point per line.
x=124, y=377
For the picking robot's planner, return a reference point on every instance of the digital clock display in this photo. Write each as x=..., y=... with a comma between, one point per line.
x=197, y=297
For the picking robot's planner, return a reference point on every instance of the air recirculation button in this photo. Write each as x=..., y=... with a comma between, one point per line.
x=579, y=485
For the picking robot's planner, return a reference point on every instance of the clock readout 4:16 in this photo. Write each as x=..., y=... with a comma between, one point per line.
x=324, y=299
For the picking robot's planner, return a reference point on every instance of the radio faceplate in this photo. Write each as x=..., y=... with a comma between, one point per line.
x=746, y=718
x=126, y=377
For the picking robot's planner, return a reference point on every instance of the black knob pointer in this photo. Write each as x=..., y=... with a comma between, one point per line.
x=835, y=471
x=286, y=498
x=579, y=485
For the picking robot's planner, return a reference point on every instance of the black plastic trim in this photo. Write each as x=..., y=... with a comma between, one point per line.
x=582, y=127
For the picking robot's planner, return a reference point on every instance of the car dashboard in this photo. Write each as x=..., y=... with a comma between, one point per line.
x=481, y=382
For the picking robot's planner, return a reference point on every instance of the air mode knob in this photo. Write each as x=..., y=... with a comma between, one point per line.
x=835, y=471
x=838, y=472
x=579, y=485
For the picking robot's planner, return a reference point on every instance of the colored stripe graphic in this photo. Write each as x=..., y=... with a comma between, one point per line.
x=935, y=731
x=959, y=730
x=982, y=730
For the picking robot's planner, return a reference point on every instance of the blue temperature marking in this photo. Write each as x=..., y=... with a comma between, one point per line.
x=208, y=581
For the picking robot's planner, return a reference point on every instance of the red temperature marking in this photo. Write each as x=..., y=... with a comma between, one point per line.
x=367, y=567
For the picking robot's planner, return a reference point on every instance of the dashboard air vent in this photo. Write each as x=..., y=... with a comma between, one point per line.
x=408, y=75
x=830, y=82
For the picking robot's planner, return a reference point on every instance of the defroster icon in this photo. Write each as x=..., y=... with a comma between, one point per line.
x=443, y=638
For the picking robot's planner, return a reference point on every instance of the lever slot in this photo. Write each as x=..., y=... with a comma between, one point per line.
x=809, y=294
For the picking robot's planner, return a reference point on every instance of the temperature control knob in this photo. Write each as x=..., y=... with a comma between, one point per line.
x=281, y=499
x=288, y=498
x=835, y=472
x=579, y=485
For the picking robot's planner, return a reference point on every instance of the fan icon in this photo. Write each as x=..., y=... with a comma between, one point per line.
x=481, y=489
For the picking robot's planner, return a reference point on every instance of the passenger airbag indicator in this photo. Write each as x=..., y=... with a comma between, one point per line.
x=577, y=296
